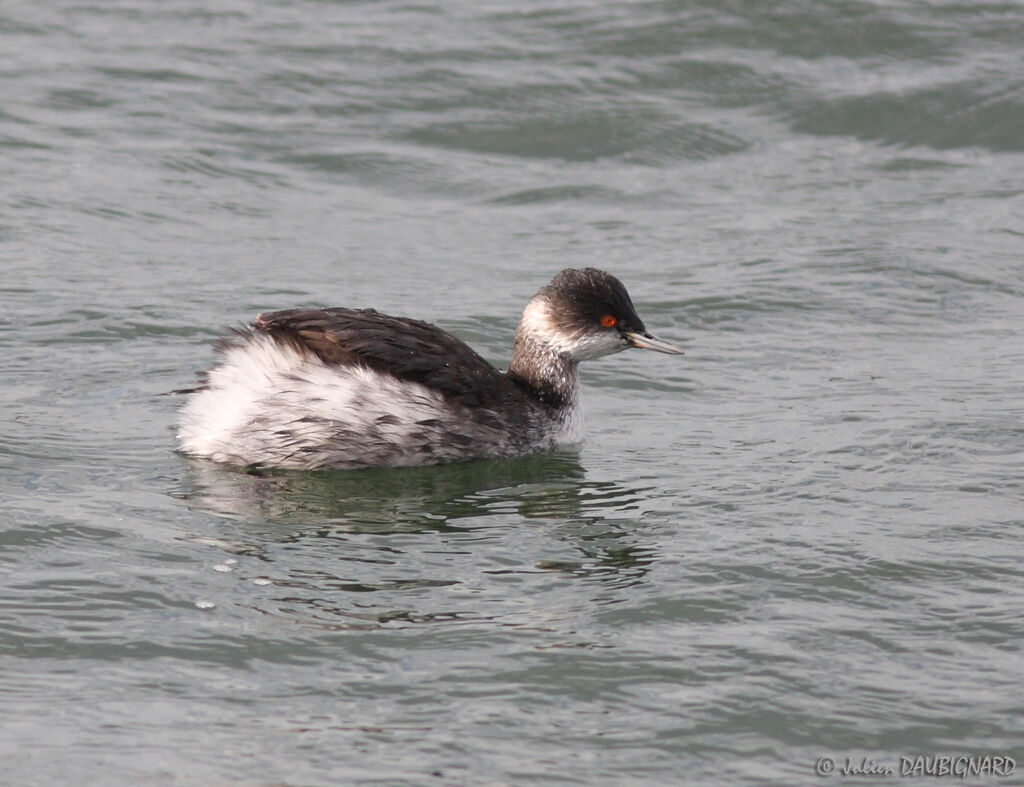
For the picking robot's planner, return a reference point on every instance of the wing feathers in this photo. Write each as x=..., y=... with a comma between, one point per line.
x=404, y=348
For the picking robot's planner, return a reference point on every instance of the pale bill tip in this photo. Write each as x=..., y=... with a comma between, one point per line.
x=649, y=342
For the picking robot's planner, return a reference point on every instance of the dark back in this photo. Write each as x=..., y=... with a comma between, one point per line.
x=406, y=349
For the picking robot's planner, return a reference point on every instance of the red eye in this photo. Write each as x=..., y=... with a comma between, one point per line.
x=609, y=321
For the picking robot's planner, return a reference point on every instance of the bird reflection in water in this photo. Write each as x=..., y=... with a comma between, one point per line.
x=383, y=500
x=381, y=547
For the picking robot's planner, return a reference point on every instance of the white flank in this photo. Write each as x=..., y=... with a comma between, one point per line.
x=265, y=398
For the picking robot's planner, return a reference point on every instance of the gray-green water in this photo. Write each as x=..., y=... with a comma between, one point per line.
x=802, y=539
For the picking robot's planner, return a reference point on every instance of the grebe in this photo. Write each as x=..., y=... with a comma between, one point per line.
x=340, y=388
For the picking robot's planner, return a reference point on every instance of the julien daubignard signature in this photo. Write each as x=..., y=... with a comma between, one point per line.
x=938, y=765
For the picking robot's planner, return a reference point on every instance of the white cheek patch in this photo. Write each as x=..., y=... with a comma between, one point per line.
x=538, y=324
x=581, y=345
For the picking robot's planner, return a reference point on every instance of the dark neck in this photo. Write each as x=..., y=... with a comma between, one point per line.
x=552, y=378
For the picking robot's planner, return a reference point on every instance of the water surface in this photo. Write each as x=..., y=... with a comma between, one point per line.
x=801, y=539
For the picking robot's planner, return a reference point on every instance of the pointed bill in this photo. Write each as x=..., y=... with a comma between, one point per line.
x=645, y=341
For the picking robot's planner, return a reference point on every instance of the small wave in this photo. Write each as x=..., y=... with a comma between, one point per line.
x=622, y=133
x=954, y=115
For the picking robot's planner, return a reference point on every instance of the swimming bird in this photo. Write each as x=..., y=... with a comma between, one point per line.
x=342, y=388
